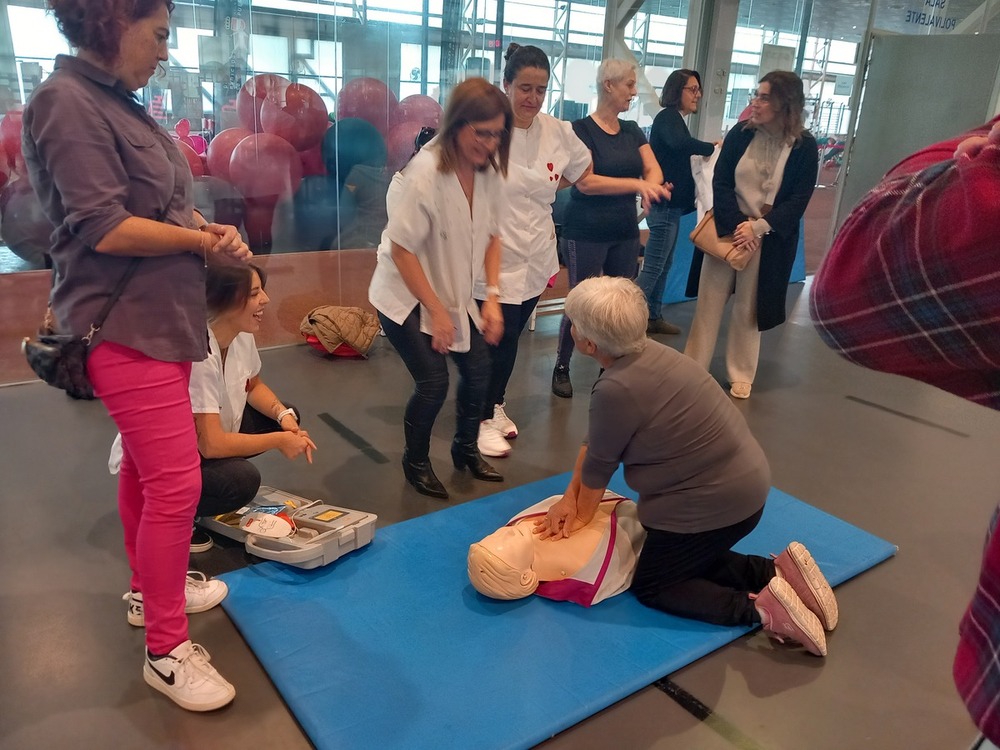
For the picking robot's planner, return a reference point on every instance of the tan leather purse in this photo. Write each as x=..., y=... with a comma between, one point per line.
x=706, y=238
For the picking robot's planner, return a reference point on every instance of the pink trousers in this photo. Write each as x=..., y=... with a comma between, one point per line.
x=159, y=482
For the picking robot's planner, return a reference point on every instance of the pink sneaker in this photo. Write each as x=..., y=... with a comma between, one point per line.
x=783, y=615
x=797, y=567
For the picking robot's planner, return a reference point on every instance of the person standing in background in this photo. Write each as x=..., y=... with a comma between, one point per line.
x=545, y=155
x=673, y=146
x=601, y=231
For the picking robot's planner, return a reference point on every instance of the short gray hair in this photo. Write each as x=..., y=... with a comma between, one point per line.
x=611, y=312
x=613, y=69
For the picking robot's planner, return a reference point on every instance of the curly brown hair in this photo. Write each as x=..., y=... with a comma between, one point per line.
x=97, y=25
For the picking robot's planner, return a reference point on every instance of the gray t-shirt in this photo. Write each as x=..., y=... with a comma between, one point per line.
x=96, y=158
x=686, y=449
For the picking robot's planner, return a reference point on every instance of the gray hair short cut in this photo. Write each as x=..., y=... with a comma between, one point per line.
x=611, y=312
x=613, y=69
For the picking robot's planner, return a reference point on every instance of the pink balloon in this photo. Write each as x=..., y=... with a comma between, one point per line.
x=265, y=165
x=253, y=94
x=10, y=138
x=220, y=151
x=193, y=160
x=299, y=116
x=198, y=143
x=183, y=128
x=400, y=144
x=186, y=139
x=370, y=100
x=422, y=109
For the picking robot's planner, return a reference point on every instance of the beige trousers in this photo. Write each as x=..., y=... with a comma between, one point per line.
x=717, y=282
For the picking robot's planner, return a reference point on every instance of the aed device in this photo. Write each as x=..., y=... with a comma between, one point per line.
x=286, y=528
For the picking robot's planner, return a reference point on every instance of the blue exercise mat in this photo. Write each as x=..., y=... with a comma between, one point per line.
x=391, y=647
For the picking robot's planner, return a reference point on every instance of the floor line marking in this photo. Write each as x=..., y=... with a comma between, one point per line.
x=354, y=439
x=707, y=716
x=904, y=415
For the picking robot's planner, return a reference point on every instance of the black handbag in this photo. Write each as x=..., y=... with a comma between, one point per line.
x=60, y=359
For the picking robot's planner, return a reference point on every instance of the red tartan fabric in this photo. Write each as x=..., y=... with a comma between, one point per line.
x=912, y=286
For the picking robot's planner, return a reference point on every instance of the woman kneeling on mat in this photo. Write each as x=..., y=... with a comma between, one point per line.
x=701, y=476
x=236, y=415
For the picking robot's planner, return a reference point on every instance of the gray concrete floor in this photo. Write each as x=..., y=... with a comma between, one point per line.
x=902, y=460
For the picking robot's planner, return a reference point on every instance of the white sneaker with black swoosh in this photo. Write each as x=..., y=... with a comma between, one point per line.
x=185, y=676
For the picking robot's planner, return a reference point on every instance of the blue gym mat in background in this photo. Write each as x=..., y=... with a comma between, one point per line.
x=391, y=647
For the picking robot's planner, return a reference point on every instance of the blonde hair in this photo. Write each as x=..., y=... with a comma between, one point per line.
x=497, y=579
x=610, y=311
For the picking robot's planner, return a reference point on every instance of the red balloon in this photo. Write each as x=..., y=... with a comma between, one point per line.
x=265, y=165
x=422, y=109
x=253, y=94
x=10, y=137
x=400, y=144
x=193, y=160
x=299, y=116
x=183, y=127
x=368, y=99
x=5, y=167
x=312, y=161
x=198, y=143
x=220, y=151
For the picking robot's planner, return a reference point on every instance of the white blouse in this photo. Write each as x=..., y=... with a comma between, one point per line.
x=223, y=390
x=540, y=155
x=430, y=218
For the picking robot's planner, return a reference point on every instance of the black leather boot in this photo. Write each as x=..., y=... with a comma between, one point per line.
x=420, y=474
x=468, y=456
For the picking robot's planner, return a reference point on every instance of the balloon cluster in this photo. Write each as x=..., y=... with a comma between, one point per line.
x=24, y=228
x=288, y=144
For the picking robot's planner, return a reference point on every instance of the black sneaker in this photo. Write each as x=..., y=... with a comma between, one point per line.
x=561, y=385
x=201, y=540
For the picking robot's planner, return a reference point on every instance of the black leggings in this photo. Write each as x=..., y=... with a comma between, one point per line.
x=228, y=484
x=699, y=576
x=504, y=354
x=429, y=370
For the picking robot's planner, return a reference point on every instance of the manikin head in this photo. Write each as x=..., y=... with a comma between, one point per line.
x=500, y=566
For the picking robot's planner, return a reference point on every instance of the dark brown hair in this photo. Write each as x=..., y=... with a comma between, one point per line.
x=474, y=100
x=674, y=87
x=519, y=57
x=97, y=25
x=228, y=287
x=788, y=101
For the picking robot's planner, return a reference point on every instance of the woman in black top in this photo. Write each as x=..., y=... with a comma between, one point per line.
x=673, y=146
x=601, y=233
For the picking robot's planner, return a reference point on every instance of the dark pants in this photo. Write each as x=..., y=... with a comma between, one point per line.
x=429, y=370
x=699, y=576
x=586, y=259
x=228, y=484
x=504, y=354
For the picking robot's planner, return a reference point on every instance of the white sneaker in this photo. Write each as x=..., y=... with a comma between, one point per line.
x=503, y=424
x=185, y=676
x=200, y=594
x=491, y=442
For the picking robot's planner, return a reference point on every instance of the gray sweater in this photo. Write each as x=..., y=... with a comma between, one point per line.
x=686, y=449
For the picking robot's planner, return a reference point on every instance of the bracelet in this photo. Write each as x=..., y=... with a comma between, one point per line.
x=285, y=413
x=493, y=289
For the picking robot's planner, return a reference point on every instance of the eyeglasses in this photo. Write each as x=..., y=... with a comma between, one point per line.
x=483, y=136
x=762, y=98
x=693, y=89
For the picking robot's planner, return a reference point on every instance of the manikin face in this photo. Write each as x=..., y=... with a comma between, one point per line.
x=763, y=111
x=478, y=141
x=143, y=48
x=690, y=96
x=527, y=93
x=247, y=319
x=620, y=93
x=514, y=545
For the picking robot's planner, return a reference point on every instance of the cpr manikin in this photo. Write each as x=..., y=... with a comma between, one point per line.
x=595, y=563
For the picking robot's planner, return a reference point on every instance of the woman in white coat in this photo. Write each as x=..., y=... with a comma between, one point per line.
x=545, y=155
x=442, y=235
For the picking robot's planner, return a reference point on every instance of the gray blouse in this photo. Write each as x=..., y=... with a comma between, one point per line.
x=95, y=158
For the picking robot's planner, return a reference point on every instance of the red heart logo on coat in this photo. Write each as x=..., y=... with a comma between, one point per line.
x=549, y=165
